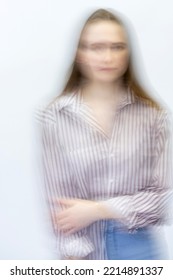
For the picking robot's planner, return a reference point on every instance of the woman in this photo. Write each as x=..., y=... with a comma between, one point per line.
x=106, y=152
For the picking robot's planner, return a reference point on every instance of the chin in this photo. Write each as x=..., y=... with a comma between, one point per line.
x=107, y=79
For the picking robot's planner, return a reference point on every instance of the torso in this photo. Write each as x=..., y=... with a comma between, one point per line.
x=104, y=113
x=105, y=116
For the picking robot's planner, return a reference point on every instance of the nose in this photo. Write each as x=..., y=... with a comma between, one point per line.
x=107, y=56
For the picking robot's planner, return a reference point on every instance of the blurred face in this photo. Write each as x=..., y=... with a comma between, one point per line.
x=103, y=53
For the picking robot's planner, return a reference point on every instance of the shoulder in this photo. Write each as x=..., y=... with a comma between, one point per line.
x=156, y=114
x=47, y=113
x=153, y=108
x=165, y=121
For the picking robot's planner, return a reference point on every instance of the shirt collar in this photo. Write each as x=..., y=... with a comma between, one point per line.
x=72, y=101
x=128, y=97
x=68, y=101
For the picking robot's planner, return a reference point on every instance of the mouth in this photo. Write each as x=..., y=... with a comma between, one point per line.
x=106, y=69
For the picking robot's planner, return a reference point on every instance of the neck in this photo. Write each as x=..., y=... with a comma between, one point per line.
x=102, y=91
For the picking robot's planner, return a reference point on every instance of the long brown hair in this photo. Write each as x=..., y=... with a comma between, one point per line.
x=130, y=79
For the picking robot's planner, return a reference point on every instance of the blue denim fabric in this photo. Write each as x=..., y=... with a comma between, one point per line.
x=122, y=245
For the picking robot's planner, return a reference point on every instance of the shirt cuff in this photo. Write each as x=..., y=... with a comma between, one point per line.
x=123, y=210
x=73, y=246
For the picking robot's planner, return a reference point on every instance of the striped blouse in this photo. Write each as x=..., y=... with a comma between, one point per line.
x=129, y=171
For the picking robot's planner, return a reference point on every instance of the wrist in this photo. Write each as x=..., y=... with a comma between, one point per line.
x=102, y=212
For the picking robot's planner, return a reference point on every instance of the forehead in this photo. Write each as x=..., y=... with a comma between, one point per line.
x=103, y=31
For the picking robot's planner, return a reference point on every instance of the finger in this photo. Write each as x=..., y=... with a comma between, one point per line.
x=63, y=214
x=65, y=227
x=59, y=215
x=67, y=202
x=70, y=231
x=64, y=222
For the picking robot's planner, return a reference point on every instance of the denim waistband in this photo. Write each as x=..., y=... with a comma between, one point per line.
x=113, y=225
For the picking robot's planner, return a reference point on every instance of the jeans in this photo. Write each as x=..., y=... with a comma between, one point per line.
x=138, y=245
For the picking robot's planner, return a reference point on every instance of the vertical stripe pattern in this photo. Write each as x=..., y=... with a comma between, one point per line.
x=129, y=171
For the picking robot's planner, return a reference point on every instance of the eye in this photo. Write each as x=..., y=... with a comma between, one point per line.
x=97, y=47
x=118, y=47
x=82, y=46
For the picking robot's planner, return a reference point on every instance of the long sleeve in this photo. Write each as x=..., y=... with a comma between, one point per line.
x=150, y=205
x=59, y=182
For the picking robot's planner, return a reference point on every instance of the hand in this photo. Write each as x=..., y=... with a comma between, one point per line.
x=78, y=214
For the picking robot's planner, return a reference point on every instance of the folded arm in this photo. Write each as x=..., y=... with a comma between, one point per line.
x=149, y=206
x=59, y=183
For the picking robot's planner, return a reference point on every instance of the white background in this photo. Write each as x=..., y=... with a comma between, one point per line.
x=36, y=44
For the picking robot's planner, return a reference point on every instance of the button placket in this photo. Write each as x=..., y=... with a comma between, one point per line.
x=112, y=152
x=111, y=176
